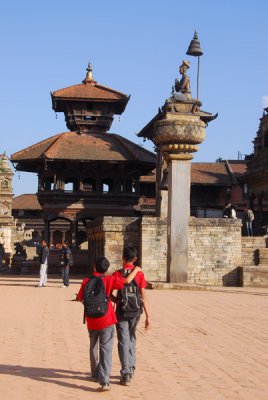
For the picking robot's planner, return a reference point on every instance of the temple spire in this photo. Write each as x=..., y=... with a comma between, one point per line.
x=89, y=76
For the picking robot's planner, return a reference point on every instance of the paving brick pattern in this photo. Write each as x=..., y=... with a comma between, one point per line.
x=202, y=345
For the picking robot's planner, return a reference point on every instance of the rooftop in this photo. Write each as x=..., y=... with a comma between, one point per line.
x=222, y=173
x=26, y=202
x=90, y=147
x=90, y=91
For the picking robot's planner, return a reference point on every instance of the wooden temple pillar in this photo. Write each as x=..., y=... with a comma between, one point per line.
x=74, y=231
x=47, y=230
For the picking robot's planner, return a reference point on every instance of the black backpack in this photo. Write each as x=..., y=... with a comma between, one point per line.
x=129, y=298
x=95, y=299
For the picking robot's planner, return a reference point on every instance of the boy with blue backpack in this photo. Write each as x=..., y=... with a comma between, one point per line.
x=95, y=293
x=130, y=302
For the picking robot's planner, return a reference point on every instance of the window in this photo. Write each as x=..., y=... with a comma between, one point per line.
x=70, y=184
x=47, y=183
x=89, y=184
x=107, y=185
x=4, y=184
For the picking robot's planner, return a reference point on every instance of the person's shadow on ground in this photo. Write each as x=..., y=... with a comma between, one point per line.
x=49, y=375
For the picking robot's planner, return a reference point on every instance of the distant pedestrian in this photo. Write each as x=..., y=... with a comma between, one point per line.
x=66, y=261
x=249, y=218
x=2, y=253
x=43, y=257
x=233, y=212
x=227, y=212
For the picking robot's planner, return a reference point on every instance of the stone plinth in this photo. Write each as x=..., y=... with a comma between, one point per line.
x=214, y=251
x=253, y=276
x=180, y=131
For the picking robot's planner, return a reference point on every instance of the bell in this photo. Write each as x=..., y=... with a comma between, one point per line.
x=194, y=49
x=164, y=182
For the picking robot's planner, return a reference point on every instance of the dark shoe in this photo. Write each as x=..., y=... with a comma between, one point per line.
x=93, y=378
x=132, y=371
x=125, y=380
x=105, y=387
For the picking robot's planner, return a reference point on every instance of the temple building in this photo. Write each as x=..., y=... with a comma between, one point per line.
x=256, y=177
x=85, y=173
x=6, y=194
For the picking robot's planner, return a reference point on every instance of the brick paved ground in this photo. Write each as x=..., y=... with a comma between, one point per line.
x=203, y=345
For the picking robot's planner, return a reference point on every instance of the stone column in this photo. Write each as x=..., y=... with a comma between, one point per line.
x=178, y=219
x=177, y=135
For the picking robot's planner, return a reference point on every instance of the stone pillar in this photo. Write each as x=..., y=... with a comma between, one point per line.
x=178, y=219
x=177, y=134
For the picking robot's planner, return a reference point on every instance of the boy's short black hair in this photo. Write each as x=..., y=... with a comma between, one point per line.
x=102, y=264
x=129, y=253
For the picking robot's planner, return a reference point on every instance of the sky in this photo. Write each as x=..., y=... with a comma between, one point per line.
x=134, y=47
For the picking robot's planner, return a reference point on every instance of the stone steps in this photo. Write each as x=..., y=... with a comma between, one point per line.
x=263, y=257
x=252, y=247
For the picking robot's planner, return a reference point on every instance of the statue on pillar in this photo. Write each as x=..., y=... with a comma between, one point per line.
x=182, y=87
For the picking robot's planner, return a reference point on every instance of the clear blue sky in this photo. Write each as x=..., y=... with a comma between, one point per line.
x=134, y=47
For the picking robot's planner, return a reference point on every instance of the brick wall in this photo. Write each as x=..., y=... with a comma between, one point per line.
x=153, y=244
x=215, y=246
x=214, y=251
x=254, y=276
x=250, y=250
x=107, y=237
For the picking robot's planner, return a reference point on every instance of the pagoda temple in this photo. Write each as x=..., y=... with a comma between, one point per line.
x=86, y=173
x=256, y=176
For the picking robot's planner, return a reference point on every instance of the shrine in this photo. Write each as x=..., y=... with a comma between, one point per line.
x=6, y=194
x=256, y=176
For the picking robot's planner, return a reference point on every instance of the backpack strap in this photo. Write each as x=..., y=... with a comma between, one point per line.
x=92, y=276
x=124, y=274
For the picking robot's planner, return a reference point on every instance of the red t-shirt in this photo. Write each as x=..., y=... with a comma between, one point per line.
x=139, y=278
x=111, y=282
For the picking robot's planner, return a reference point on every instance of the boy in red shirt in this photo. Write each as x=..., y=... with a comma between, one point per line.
x=101, y=329
x=126, y=326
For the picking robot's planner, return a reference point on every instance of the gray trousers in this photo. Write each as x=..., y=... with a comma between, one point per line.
x=43, y=275
x=65, y=275
x=126, y=334
x=100, y=353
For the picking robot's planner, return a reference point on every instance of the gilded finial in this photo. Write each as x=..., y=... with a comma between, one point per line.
x=89, y=77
